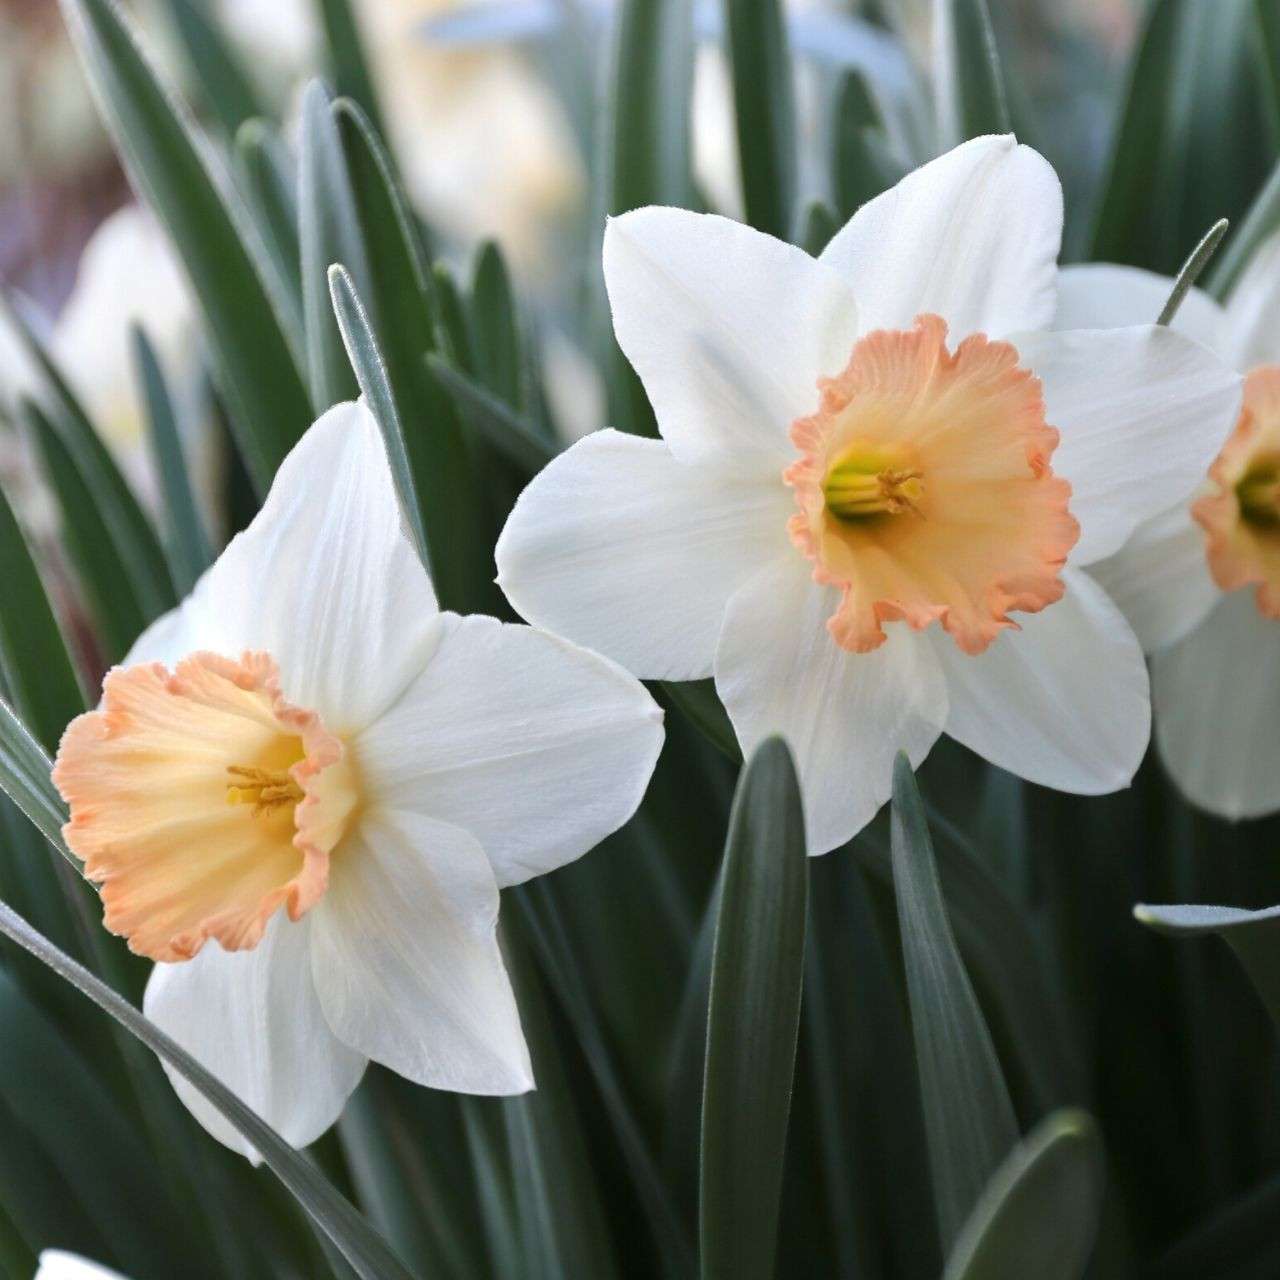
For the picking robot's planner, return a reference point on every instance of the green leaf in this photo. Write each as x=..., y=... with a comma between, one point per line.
x=764, y=111
x=267, y=175
x=969, y=1120
x=104, y=582
x=698, y=700
x=495, y=328
x=173, y=167
x=136, y=545
x=1262, y=219
x=187, y=542
x=34, y=660
x=226, y=89
x=967, y=76
x=753, y=1020
x=328, y=233
x=371, y=372
x=817, y=227
x=349, y=71
x=25, y=778
x=1253, y=935
x=499, y=425
x=1191, y=269
x=1039, y=1214
x=1237, y=1242
x=859, y=164
x=367, y=1252
x=401, y=284
x=649, y=131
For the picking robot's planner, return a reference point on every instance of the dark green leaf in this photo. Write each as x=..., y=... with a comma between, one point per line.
x=756, y=975
x=1253, y=935
x=817, y=226
x=860, y=166
x=225, y=88
x=349, y=71
x=1039, y=1214
x=187, y=542
x=969, y=1120
x=24, y=778
x=366, y=360
x=367, y=1252
x=328, y=234
x=258, y=374
x=970, y=85
x=495, y=328
x=699, y=701
x=1262, y=219
x=104, y=581
x=1238, y=1242
x=764, y=111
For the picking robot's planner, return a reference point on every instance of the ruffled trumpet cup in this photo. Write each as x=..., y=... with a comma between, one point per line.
x=879, y=475
x=304, y=788
x=1200, y=582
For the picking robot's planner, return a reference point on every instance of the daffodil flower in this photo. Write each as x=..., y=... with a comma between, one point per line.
x=304, y=788
x=879, y=476
x=1200, y=582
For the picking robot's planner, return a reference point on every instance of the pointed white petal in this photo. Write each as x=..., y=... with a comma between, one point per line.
x=1099, y=295
x=1217, y=699
x=253, y=1019
x=1141, y=414
x=728, y=328
x=972, y=236
x=324, y=578
x=406, y=961
x=1160, y=578
x=844, y=715
x=538, y=748
x=1253, y=310
x=1063, y=702
x=621, y=547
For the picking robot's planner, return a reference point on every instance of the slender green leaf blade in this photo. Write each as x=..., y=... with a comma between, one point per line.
x=25, y=772
x=1262, y=219
x=225, y=87
x=753, y=1020
x=258, y=373
x=187, y=542
x=1039, y=1214
x=371, y=371
x=969, y=1120
x=970, y=84
x=349, y=70
x=367, y=1252
x=764, y=110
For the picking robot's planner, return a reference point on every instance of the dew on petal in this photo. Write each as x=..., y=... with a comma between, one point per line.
x=925, y=490
x=202, y=802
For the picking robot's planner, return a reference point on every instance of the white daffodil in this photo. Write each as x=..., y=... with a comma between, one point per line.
x=57, y=1264
x=1200, y=582
x=304, y=788
x=834, y=480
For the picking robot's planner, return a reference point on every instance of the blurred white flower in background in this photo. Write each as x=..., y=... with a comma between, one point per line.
x=305, y=787
x=1201, y=582
x=780, y=549
x=57, y=1264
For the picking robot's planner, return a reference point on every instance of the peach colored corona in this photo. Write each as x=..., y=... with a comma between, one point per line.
x=925, y=490
x=1242, y=516
x=212, y=761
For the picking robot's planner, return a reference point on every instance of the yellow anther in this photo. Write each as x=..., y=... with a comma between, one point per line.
x=265, y=789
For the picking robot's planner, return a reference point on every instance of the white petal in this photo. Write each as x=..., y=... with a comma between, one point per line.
x=1253, y=309
x=1099, y=295
x=1063, y=702
x=844, y=715
x=538, y=748
x=325, y=579
x=728, y=328
x=1160, y=578
x=57, y=1264
x=252, y=1018
x=972, y=236
x=406, y=960
x=1217, y=698
x=1141, y=414
x=621, y=547
x=177, y=633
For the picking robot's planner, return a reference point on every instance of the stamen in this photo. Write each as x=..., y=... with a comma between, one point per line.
x=265, y=789
x=854, y=493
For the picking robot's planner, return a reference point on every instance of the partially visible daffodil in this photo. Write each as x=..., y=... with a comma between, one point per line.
x=128, y=275
x=304, y=788
x=1201, y=581
x=879, y=475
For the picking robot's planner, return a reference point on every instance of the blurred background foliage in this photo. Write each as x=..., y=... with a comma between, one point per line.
x=996, y=1070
